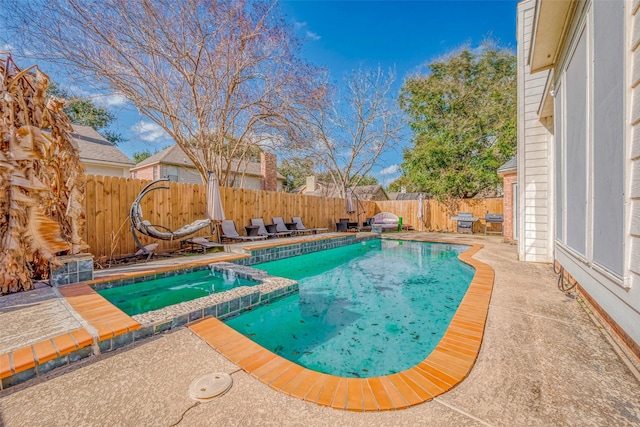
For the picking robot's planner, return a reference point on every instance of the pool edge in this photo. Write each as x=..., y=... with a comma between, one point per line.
x=444, y=368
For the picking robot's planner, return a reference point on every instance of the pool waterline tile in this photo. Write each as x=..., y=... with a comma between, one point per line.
x=448, y=364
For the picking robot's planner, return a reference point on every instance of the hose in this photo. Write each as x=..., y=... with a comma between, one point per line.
x=564, y=287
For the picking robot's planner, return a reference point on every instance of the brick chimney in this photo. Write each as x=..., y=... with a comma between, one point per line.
x=269, y=170
x=312, y=184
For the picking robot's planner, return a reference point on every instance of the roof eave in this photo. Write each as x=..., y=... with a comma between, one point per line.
x=550, y=26
x=106, y=162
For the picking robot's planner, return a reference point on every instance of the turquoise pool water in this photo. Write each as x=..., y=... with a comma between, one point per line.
x=363, y=310
x=155, y=294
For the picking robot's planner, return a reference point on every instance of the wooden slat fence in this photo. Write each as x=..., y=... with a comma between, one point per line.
x=436, y=216
x=108, y=200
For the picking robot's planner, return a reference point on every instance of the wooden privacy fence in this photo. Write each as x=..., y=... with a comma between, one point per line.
x=108, y=201
x=436, y=216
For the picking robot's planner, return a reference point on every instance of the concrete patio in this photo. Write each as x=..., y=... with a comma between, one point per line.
x=544, y=361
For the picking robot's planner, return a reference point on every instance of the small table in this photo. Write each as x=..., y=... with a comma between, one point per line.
x=292, y=226
x=271, y=228
x=252, y=230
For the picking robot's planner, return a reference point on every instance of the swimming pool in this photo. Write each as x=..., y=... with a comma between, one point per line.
x=363, y=310
x=154, y=294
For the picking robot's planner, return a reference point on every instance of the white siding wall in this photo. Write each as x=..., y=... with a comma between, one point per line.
x=618, y=297
x=106, y=170
x=633, y=276
x=534, y=155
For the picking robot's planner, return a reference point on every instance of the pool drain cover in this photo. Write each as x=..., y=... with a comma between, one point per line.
x=209, y=386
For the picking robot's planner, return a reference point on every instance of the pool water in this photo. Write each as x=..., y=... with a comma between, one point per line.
x=363, y=310
x=155, y=294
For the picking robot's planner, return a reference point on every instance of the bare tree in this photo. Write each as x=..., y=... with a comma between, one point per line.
x=220, y=77
x=347, y=136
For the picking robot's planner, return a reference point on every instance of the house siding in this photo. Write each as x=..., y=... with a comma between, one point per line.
x=534, y=156
x=633, y=277
x=606, y=182
x=191, y=175
x=101, y=169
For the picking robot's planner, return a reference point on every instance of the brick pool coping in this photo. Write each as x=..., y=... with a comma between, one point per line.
x=448, y=364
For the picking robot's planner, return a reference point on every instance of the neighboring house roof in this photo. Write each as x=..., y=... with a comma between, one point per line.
x=362, y=192
x=368, y=192
x=93, y=147
x=174, y=155
x=407, y=196
x=510, y=166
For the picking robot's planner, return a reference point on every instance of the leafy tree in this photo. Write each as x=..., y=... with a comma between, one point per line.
x=82, y=111
x=295, y=171
x=139, y=156
x=217, y=76
x=463, y=117
x=365, y=180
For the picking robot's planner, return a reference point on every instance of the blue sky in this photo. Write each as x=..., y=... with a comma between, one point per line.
x=346, y=35
x=405, y=35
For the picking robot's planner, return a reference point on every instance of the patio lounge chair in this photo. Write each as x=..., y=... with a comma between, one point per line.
x=262, y=231
x=229, y=232
x=202, y=243
x=281, y=227
x=300, y=226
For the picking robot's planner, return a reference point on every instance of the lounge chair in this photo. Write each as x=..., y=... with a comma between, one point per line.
x=262, y=231
x=202, y=243
x=281, y=227
x=300, y=226
x=229, y=232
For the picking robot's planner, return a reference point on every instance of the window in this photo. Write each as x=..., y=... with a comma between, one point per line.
x=559, y=163
x=608, y=135
x=576, y=148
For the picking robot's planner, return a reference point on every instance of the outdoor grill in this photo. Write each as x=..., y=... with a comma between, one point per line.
x=493, y=219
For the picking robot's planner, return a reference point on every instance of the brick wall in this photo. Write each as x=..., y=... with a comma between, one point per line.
x=508, y=179
x=143, y=173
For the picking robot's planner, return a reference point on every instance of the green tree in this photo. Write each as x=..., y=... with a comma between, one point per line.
x=139, y=156
x=295, y=171
x=365, y=180
x=463, y=117
x=82, y=111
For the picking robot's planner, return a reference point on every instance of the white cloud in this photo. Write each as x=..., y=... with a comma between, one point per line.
x=8, y=48
x=390, y=170
x=149, y=132
x=309, y=34
x=112, y=100
x=386, y=181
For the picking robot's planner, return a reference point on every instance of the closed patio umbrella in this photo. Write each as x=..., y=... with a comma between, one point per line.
x=420, y=200
x=214, y=204
x=349, y=203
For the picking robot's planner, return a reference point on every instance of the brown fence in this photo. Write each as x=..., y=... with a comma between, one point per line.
x=108, y=200
x=436, y=216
